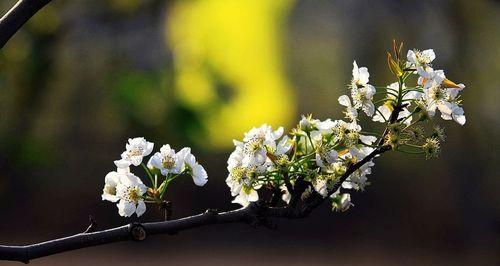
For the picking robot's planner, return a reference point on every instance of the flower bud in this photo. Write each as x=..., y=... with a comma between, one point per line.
x=394, y=66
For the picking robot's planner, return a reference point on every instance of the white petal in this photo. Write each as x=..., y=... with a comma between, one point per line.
x=200, y=176
x=253, y=196
x=369, y=108
x=345, y=101
x=109, y=197
x=149, y=149
x=141, y=208
x=429, y=55
x=363, y=75
x=125, y=208
x=122, y=164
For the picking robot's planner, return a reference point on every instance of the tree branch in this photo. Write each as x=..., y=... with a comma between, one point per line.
x=15, y=18
x=134, y=231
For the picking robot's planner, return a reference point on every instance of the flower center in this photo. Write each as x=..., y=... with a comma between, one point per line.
x=436, y=93
x=238, y=173
x=135, y=151
x=168, y=162
x=253, y=145
x=133, y=194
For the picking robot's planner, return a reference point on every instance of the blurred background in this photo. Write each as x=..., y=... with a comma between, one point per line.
x=83, y=76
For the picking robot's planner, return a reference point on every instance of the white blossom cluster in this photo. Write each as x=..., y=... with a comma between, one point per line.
x=128, y=190
x=320, y=152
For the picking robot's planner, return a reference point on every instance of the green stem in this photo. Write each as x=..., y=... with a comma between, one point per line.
x=146, y=169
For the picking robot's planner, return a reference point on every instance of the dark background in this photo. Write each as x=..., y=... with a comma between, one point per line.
x=83, y=76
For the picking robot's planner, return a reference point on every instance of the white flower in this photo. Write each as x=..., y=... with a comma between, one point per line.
x=369, y=140
x=130, y=190
x=456, y=113
x=136, y=149
x=283, y=146
x=436, y=96
x=325, y=127
x=421, y=60
x=384, y=111
x=307, y=123
x=167, y=161
x=321, y=186
x=110, y=183
x=197, y=171
x=246, y=196
x=256, y=143
x=360, y=76
x=362, y=92
x=240, y=179
x=350, y=112
x=341, y=202
x=432, y=78
x=362, y=98
x=358, y=179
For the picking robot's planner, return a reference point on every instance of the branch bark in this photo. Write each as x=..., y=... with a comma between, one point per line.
x=251, y=214
x=17, y=16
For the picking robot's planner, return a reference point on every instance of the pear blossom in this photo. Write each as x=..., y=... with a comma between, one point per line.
x=455, y=112
x=307, y=123
x=241, y=180
x=324, y=155
x=324, y=151
x=256, y=142
x=360, y=76
x=197, y=171
x=136, y=150
x=421, y=60
x=283, y=146
x=362, y=92
x=111, y=181
x=245, y=197
x=321, y=186
x=436, y=96
x=130, y=191
x=341, y=202
x=384, y=111
x=362, y=98
x=351, y=112
x=167, y=161
x=358, y=179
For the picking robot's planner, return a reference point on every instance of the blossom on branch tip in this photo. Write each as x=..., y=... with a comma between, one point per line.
x=136, y=150
x=167, y=161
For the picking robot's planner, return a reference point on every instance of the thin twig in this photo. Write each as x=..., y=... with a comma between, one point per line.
x=15, y=18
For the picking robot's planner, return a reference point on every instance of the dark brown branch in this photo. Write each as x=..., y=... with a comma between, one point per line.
x=15, y=18
x=134, y=231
